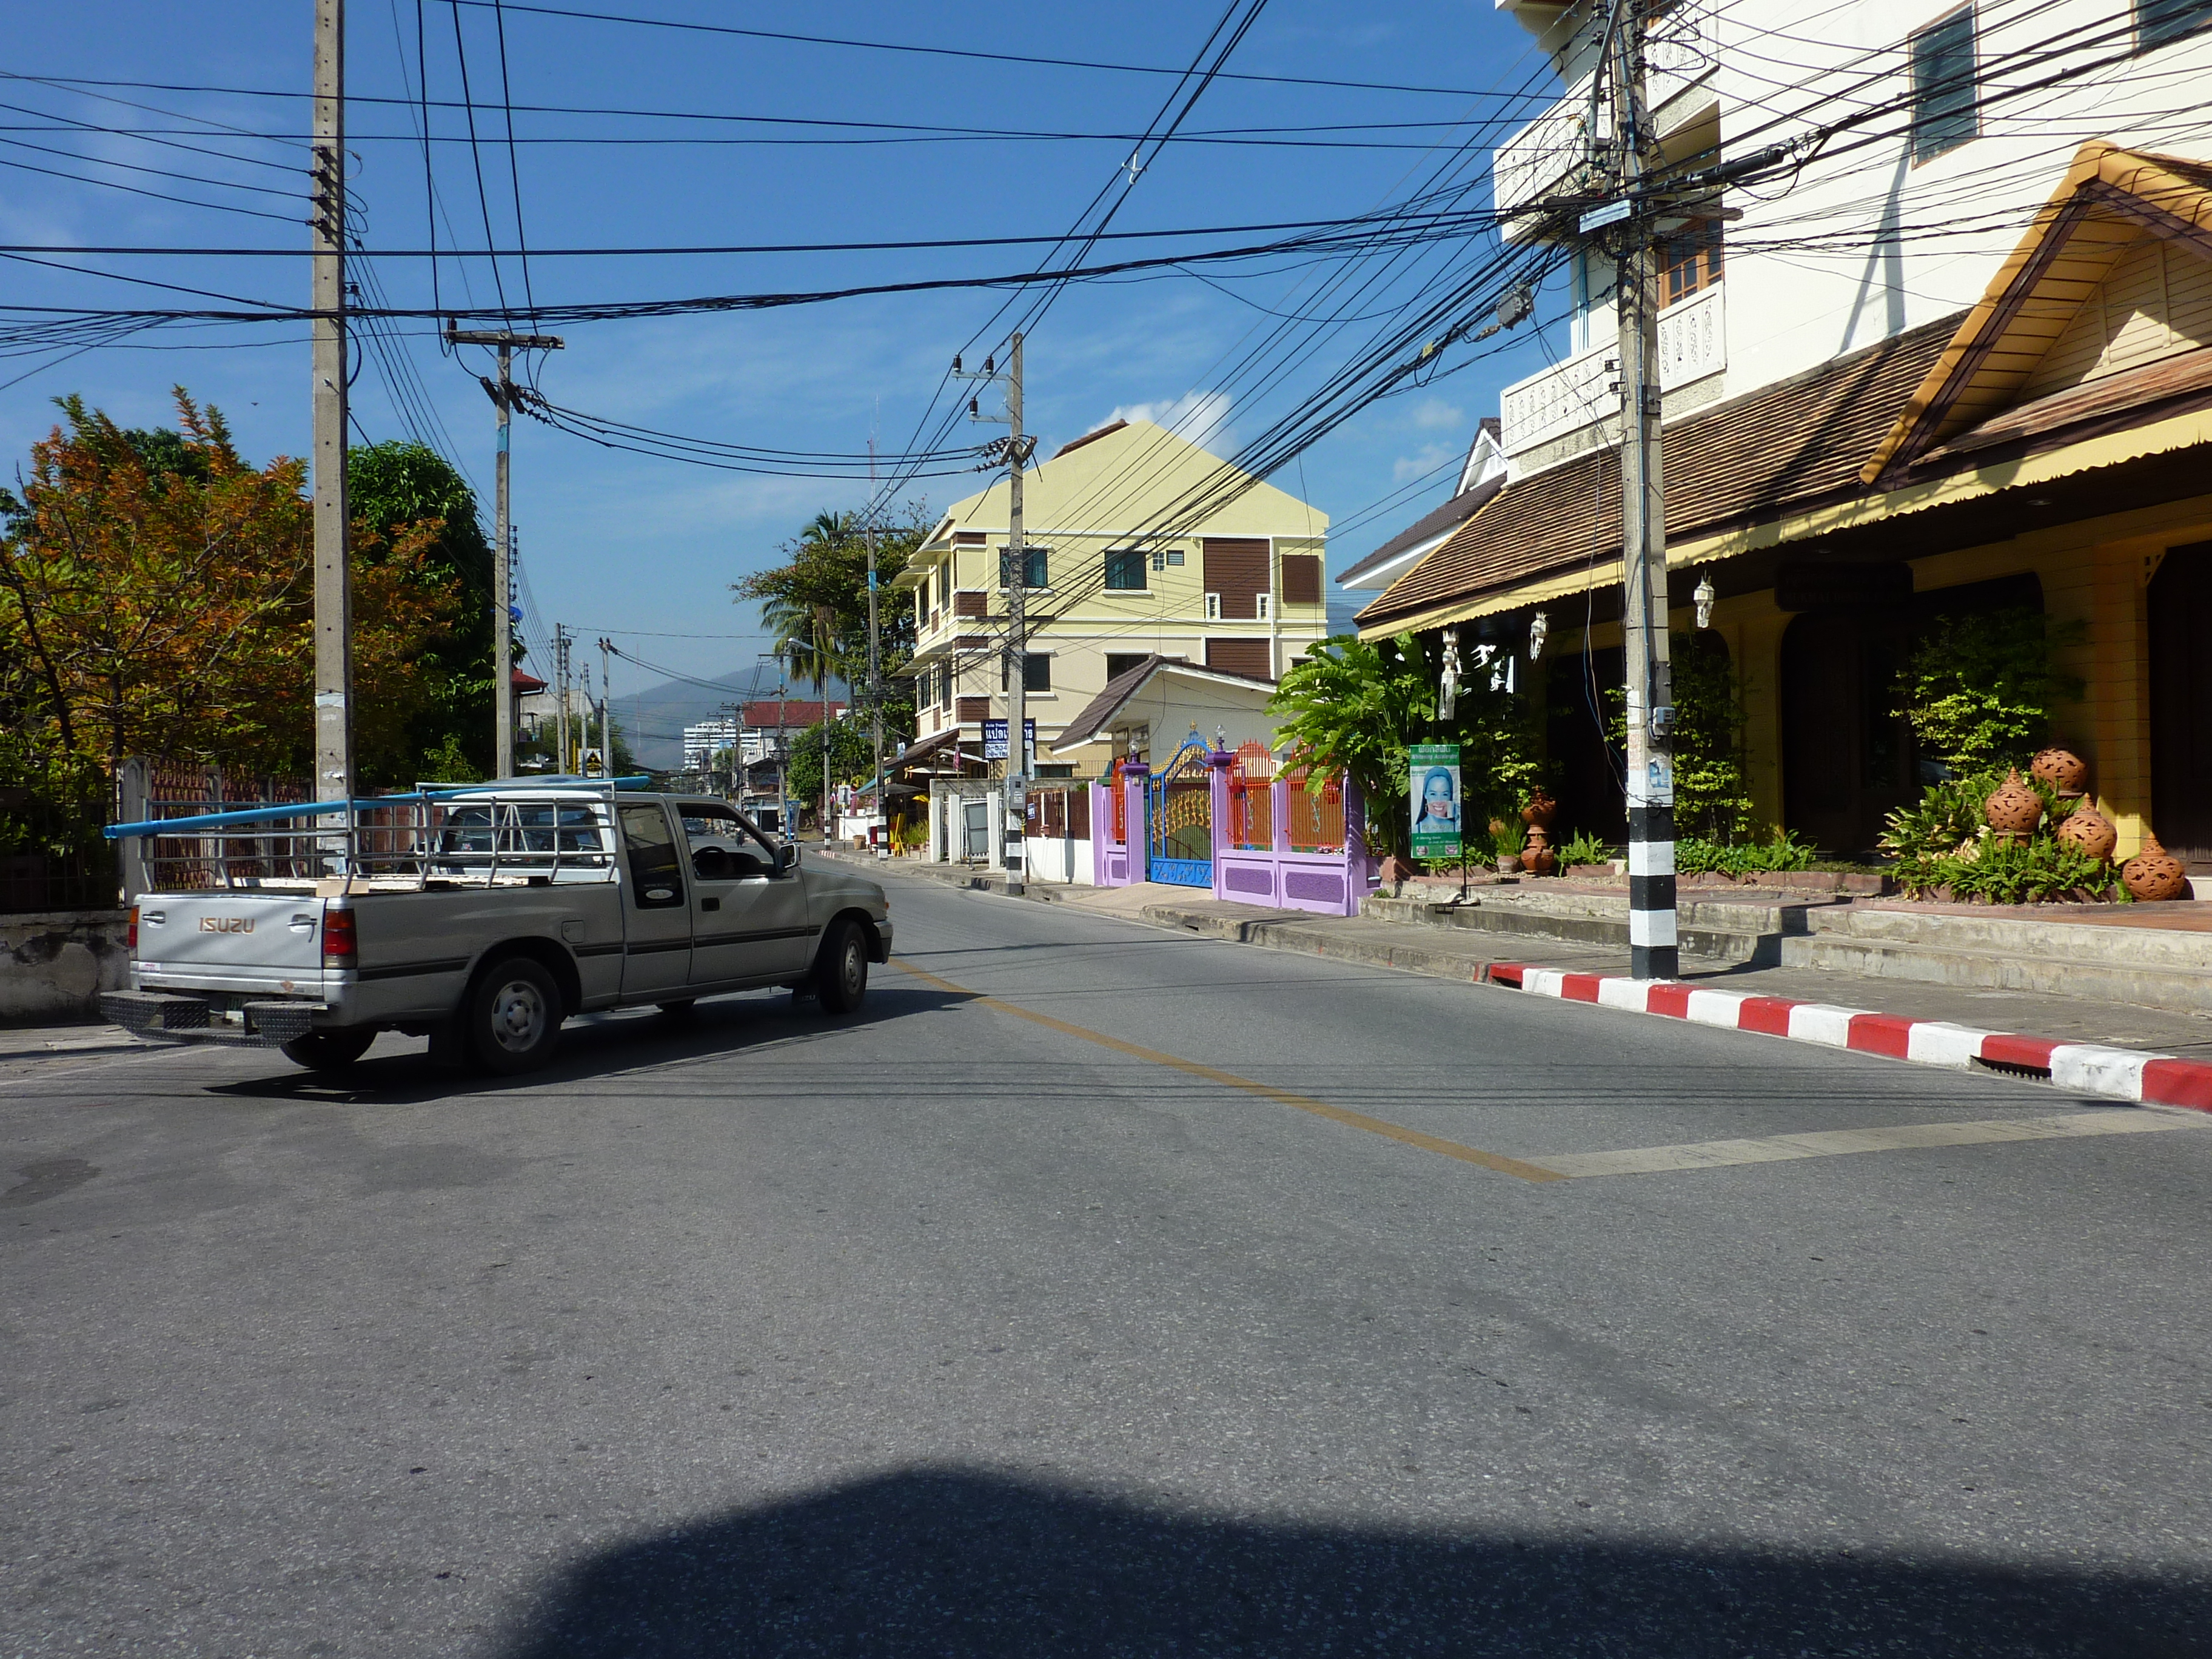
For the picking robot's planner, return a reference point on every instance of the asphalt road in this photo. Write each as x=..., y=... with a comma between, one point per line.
x=1095, y=1290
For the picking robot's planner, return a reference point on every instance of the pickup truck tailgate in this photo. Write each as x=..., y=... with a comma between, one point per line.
x=268, y=942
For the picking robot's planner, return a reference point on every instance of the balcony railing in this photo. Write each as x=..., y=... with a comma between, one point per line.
x=1693, y=343
x=1550, y=155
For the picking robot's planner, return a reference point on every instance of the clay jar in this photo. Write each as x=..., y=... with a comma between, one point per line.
x=2154, y=873
x=2066, y=772
x=2012, y=810
x=1539, y=858
x=1541, y=810
x=2087, y=830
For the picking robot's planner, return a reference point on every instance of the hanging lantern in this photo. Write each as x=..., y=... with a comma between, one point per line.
x=1705, y=597
x=1448, y=688
x=1539, y=628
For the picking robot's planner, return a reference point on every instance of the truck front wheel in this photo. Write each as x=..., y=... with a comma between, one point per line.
x=841, y=972
x=328, y=1051
x=515, y=1016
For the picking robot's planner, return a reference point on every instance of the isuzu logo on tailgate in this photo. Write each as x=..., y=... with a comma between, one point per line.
x=226, y=924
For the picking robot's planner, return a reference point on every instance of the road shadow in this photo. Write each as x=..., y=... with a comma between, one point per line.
x=597, y=1046
x=950, y=1563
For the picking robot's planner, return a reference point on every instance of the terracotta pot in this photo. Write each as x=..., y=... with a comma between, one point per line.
x=1538, y=860
x=2154, y=873
x=2013, y=809
x=1541, y=810
x=1497, y=828
x=2089, y=830
x=1509, y=864
x=2062, y=769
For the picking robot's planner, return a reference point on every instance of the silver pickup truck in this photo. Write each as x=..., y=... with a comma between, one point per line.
x=481, y=918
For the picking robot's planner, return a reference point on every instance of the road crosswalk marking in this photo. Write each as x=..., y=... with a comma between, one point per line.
x=1837, y=1143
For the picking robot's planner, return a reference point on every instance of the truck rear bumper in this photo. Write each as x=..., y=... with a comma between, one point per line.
x=170, y=1017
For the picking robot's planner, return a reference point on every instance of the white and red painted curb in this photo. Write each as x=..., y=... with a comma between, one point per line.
x=2081, y=1068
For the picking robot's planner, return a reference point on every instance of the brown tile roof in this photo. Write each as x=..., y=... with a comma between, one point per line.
x=1456, y=512
x=1789, y=444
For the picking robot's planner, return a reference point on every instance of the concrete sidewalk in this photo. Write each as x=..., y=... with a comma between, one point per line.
x=1460, y=954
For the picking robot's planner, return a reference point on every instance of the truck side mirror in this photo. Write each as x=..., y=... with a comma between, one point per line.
x=787, y=857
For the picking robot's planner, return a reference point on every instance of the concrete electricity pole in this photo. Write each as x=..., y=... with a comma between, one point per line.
x=607, y=700
x=561, y=697
x=334, y=768
x=503, y=601
x=876, y=653
x=1016, y=570
x=1652, y=947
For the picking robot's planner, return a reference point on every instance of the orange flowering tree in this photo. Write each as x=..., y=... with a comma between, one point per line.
x=156, y=598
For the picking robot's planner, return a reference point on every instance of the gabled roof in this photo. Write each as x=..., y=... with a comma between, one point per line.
x=789, y=712
x=2109, y=198
x=1417, y=537
x=1119, y=690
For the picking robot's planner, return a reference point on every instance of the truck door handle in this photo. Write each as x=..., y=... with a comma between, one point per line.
x=710, y=904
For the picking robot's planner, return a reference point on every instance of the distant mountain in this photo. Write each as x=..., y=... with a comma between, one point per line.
x=653, y=720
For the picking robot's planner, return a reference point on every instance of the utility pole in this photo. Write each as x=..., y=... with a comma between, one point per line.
x=561, y=698
x=1652, y=948
x=502, y=393
x=607, y=700
x=334, y=770
x=1015, y=567
x=876, y=655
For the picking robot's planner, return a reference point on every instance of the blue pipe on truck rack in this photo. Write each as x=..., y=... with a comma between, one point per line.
x=312, y=808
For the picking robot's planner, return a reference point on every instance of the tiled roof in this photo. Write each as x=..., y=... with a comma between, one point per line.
x=1100, y=709
x=1789, y=444
x=790, y=713
x=1457, y=511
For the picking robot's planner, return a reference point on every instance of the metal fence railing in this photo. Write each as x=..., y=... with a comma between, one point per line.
x=53, y=856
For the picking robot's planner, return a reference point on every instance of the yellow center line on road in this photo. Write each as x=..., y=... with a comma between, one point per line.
x=1352, y=1120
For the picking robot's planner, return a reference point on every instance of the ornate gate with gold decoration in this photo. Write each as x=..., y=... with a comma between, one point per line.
x=1179, y=823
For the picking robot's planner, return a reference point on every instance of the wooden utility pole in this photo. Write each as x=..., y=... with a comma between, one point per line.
x=1652, y=947
x=334, y=767
x=503, y=601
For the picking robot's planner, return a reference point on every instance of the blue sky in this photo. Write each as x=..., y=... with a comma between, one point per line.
x=619, y=542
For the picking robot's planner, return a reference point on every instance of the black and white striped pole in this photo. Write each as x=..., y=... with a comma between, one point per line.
x=1653, y=951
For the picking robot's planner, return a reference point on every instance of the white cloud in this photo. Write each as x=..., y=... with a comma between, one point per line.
x=1198, y=417
x=1432, y=456
x=1431, y=413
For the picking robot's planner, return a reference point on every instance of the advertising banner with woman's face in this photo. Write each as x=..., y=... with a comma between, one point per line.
x=1435, y=784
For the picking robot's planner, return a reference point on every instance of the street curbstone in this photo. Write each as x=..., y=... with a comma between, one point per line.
x=2085, y=1068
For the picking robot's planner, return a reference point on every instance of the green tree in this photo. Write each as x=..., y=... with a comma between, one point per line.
x=1979, y=689
x=403, y=486
x=815, y=604
x=1358, y=706
x=851, y=755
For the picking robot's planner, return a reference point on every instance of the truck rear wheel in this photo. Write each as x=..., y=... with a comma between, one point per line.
x=841, y=972
x=515, y=1016
x=328, y=1051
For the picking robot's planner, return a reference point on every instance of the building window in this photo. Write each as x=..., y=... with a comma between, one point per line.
x=945, y=685
x=1119, y=663
x=1037, y=672
x=2158, y=21
x=1032, y=558
x=1214, y=607
x=1265, y=603
x=1943, y=92
x=1690, y=261
x=1125, y=569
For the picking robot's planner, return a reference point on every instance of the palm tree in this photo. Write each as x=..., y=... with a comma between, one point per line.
x=806, y=634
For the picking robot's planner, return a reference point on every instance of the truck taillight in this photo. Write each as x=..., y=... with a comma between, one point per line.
x=131, y=942
x=341, y=946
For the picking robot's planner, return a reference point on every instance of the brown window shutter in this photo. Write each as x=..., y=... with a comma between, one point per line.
x=975, y=709
x=1237, y=568
x=1079, y=813
x=1238, y=657
x=1301, y=579
x=967, y=603
x=969, y=537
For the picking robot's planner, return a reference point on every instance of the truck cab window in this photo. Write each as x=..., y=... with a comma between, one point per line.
x=723, y=846
x=654, y=865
